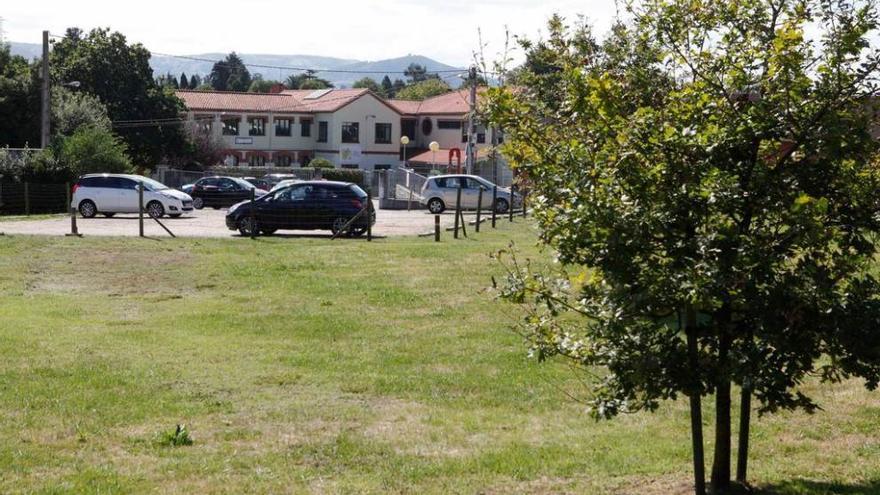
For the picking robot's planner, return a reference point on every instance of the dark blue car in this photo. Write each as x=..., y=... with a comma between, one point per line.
x=311, y=205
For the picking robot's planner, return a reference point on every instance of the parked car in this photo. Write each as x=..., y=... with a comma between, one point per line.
x=307, y=205
x=220, y=192
x=109, y=194
x=273, y=179
x=284, y=183
x=260, y=183
x=441, y=191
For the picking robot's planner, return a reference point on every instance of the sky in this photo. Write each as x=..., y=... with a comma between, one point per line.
x=359, y=29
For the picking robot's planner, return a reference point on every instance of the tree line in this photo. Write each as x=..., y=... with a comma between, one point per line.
x=232, y=74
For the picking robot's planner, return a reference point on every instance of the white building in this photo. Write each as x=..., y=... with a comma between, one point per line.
x=353, y=128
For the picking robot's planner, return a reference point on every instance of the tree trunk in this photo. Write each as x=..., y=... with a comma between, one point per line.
x=745, y=416
x=695, y=399
x=721, y=461
x=720, y=482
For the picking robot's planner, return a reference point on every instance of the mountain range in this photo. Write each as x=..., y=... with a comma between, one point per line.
x=392, y=67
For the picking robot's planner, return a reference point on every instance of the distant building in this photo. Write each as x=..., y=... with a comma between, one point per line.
x=353, y=128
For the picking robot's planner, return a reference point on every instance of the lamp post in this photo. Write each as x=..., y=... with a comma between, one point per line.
x=404, y=140
x=434, y=146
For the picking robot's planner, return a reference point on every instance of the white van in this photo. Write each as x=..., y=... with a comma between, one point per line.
x=109, y=194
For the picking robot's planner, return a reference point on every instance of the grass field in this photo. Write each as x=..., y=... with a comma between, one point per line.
x=311, y=366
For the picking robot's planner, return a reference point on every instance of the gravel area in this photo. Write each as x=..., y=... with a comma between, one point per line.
x=209, y=223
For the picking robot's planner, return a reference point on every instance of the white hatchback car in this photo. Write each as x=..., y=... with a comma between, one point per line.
x=441, y=192
x=109, y=194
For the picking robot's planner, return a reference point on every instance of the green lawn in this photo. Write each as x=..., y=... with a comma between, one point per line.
x=311, y=366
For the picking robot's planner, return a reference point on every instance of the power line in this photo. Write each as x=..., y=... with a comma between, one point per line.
x=292, y=68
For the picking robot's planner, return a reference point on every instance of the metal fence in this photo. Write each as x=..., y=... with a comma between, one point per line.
x=398, y=188
x=23, y=198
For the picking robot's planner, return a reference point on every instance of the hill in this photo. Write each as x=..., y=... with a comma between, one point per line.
x=392, y=67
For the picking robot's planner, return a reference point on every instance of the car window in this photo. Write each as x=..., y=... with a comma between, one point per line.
x=227, y=185
x=452, y=183
x=297, y=193
x=473, y=183
x=123, y=183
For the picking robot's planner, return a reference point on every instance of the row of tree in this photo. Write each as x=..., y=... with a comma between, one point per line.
x=231, y=74
x=105, y=103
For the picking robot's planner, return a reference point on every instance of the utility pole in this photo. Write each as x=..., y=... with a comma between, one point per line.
x=472, y=131
x=44, y=120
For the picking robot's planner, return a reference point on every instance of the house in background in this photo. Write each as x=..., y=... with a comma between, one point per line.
x=352, y=128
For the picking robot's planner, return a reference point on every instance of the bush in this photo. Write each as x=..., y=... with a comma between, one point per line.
x=178, y=437
x=345, y=175
x=321, y=163
x=92, y=150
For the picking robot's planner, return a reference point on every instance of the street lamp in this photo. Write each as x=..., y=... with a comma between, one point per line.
x=434, y=146
x=404, y=141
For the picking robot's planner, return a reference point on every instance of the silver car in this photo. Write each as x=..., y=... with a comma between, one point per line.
x=441, y=191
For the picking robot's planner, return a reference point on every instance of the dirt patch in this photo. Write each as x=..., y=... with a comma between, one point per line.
x=132, y=271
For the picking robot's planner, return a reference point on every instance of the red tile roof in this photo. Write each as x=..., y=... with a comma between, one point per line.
x=443, y=156
x=453, y=103
x=286, y=101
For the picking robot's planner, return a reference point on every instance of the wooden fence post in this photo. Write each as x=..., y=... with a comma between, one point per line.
x=457, y=210
x=479, y=208
x=369, y=207
x=494, y=200
x=141, y=208
x=436, y=228
x=253, y=214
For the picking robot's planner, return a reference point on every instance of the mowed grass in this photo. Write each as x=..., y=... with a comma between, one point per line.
x=316, y=366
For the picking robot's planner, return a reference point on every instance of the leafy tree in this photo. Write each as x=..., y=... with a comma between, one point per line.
x=707, y=178
x=90, y=150
x=398, y=85
x=195, y=81
x=417, y=73
x=230, y=74
x=321, y=163
x=260, y=85
x=423, y=90
x=19, y=101
x=369, y=83
x=307, y=80
x=387, y=87
x=71, y=110
x=184, y=81
x=119, y=74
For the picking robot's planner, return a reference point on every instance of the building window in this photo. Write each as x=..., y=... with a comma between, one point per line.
x=322, y=131
x=306, y=125
x=448, y=124
x=464, y=135
x=231, y=160
x=481, y=138
x=257, y=126
x=282, y=127
x=350, y=165
x=230, y=127
x=283, y=161
x=383, y=133
x=382, y=166
x=350, y=132
x=257, y=161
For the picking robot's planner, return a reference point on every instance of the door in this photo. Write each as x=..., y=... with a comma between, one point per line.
x=102, y=191
x=470, y=193
x=230, y=192
x=207, y=190
x=288, y=209
x=126, y=195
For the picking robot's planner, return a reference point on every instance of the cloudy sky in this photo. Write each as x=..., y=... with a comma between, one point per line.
x=360, y=29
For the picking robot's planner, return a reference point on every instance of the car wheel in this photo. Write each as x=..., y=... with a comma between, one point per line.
x=338, y=224
x=155, y=209
x=501, y=205
x=175, y=215
x=87, y=209
x=436, y=206
x=198, y=203
x=247, y=226
x=108, y=215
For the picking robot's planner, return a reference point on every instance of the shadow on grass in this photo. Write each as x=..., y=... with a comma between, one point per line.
x=810, y=487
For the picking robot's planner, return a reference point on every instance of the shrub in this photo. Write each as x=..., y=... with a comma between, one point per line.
x=91, y=150
x=321, y=163
x=345, y=175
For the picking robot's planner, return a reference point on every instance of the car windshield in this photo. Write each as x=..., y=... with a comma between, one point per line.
x=243, y=183
x=358, y=191
x=152, y=185
x=484, y=182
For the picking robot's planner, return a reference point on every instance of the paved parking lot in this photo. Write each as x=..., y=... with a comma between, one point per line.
x=208, y=223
